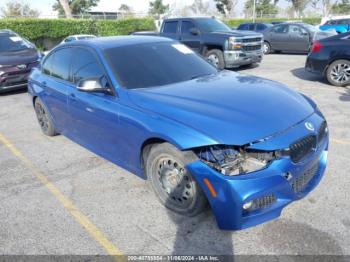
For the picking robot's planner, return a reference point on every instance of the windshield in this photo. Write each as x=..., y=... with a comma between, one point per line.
x=208, y=25
x=156, y=64
x=85, y=37
x=13, y=43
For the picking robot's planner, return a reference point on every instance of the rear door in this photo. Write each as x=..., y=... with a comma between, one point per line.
x=170, y=29
x=187, y=37
x=55, y=82
x=93, y=118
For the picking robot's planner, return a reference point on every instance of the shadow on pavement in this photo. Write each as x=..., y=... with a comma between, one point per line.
x=302, y=74
x=345, y=97
x=288, y=237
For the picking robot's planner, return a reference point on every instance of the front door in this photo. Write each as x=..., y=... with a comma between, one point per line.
x=188, y=37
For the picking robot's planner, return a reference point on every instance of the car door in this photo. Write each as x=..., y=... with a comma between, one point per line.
x=299, y=39
x=189, y=35
x=94, y=116
x=54, y=83
x=279, y=37
x=170, y=29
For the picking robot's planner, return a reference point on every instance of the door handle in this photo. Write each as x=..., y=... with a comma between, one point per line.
x=72, y=97
x=43, y=83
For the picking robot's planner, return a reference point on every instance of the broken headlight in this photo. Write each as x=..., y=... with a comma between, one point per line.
x=233, y=161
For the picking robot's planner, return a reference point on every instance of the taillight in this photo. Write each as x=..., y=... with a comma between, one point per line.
x=316, y=47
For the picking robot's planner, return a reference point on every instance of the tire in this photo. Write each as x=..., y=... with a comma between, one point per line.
x=338, y=73
x=174, y=186
x=216, y=58
x=266, y=48
x=44, y=118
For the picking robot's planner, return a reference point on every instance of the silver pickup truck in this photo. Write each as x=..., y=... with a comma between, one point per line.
x=211, y=38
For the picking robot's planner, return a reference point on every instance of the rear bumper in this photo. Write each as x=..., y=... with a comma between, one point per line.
x=239, y=58
x=270, y=187
x=316, y=65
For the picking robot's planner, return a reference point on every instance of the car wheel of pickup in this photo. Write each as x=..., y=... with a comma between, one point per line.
x=338, y=73
x=216, y=57
x=44, y=118
x=266, y=48
x=173, y=184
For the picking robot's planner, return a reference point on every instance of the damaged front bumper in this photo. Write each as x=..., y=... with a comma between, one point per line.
x=249, y=199
x=238, y=58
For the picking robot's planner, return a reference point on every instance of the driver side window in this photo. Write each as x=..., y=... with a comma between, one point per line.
x=85, y=65
x=280, y=29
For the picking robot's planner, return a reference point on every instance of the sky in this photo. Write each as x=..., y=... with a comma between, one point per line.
x=139, y=6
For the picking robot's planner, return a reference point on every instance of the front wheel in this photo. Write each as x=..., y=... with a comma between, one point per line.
x=338, y=73
x=216, y=58
x=173, y=184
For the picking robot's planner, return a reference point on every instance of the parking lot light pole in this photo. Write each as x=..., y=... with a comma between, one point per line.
x=254, y=12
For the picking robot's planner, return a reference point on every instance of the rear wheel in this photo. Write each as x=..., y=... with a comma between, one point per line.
x=44, y=118
x=173, y=184
x=216, y=57
x=338, y=73
x=266, y=48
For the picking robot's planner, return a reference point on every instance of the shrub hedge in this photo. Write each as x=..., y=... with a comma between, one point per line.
x=37, y=30
x=237, y=22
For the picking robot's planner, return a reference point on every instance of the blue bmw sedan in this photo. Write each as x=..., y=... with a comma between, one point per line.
x=246, y=145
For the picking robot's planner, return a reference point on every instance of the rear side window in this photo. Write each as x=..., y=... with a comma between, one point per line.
x=186, y=26
x=260, y=27
x=170, y=27
x=243, y=27
x=251, y=27
x=85, y=65
x=61, y=64
x=281, y=29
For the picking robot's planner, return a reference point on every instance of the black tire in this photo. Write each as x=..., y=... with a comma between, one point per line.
x=216, y=57
x=338, y=73
x=266, y=48
x=174, y=186
x=44, y=118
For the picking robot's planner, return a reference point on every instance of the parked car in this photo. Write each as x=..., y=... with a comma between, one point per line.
x=214, y=40
x=72, y=38
x=257, y=27
x=292, y=37
x=339, y=25
x=17, y=57
x=330, y=58
x=154, y=107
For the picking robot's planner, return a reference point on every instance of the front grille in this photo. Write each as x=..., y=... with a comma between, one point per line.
x=300, y=183
x=302, y=147
x=322, y=131
x=250, y=40
x=251, y=48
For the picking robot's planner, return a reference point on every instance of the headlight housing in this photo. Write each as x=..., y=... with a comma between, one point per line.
x=234, y=43
x=233, y=161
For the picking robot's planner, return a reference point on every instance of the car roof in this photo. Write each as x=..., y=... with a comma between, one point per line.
x=189, y=18
x=7, y=32
x=118, y=41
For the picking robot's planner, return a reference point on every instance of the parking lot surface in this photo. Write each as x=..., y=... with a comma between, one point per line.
x=58, y=198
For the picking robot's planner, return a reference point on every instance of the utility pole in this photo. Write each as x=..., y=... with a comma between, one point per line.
x=254, y=11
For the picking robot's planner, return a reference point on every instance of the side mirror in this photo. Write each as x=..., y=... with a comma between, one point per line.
x=93, y=85
x=194, y=31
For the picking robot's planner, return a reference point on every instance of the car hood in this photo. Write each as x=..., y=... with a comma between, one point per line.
x=227, y=107
x=19, y=57
x=236, y=33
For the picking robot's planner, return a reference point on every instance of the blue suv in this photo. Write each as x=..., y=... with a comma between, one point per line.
x=339, y=25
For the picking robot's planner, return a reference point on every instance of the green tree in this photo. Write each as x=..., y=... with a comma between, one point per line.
x=225, y=7
x=76, y=7
x=157, y=8
x=298, y=6
x=262, y=8
x=341, y=8
x=18, y=9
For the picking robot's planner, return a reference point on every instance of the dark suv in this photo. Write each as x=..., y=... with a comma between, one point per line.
x=17, y=57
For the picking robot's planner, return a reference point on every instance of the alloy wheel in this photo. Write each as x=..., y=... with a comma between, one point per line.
x=214, y=59
x=42, y=117
x=340, y=73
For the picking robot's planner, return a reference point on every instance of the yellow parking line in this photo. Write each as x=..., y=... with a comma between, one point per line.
x=340, y=141
x=66, y=202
